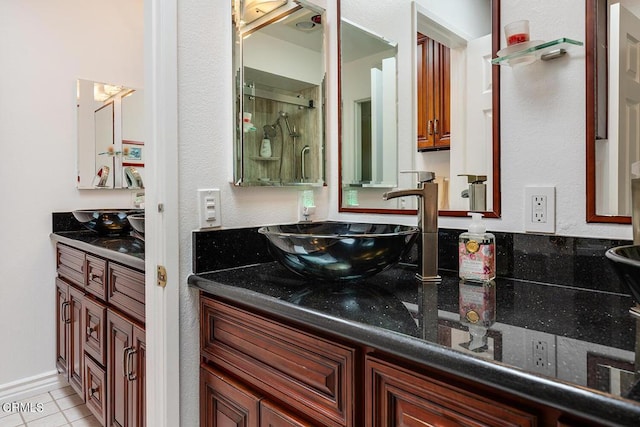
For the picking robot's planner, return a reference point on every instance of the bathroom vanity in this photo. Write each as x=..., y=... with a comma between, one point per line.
x=389, y=350
x=100, y=323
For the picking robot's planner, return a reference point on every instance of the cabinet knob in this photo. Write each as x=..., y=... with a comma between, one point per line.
x=93, y=276
x=91, y=329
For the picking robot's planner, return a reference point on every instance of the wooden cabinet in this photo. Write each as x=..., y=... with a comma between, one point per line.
x=100, y=342
x=125, y=371
x=263, y=371
x=227, y=402
x=434, y=106
x=399, y=397
x=69, y=348
x=305, y=373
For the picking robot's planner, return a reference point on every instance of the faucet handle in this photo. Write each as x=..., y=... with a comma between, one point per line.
x=474, y=179
x=423, y=176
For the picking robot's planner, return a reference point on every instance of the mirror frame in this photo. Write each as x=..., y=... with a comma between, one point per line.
x=591, y=77
x=495, y=82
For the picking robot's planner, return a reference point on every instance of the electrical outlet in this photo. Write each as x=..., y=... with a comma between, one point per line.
x=539, y=209
x=540, y=348
x=209, y=212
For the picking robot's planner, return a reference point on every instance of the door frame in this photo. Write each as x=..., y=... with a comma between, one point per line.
x=161, y=213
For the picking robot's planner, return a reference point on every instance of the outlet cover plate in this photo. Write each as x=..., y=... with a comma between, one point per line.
x=540, y=209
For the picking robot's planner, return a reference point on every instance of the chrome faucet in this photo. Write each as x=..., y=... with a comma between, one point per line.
x=427, y=192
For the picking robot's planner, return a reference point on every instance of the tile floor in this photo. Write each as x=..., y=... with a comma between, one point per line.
x=55, y=408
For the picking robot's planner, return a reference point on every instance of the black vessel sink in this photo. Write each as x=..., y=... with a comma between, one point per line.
x=336, y=251
x=626, y=262
x=106, y=222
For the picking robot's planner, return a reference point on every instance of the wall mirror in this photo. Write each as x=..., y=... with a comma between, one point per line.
x=279, y=65
x=613, y=113
x=471, y=32
x=110, y=126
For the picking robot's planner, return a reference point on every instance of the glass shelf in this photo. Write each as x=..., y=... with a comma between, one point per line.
x=545, y=51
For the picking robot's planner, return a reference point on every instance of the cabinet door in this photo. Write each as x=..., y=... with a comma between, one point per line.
x=434, y=106
x=399, y=397
x=76, y=338
x=137, y=358
x=62, y=318
x=119, y=343
x=94, y=342
x=226, y=403
x=273, y=416
x=95, y=389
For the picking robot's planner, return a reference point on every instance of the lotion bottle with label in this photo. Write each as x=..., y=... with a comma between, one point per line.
x=476, y=252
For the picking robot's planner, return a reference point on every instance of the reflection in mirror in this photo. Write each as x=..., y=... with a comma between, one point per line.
x=280, y=76
x=369, y=99
x=613, y=96
x=103, y=137
x=110, y=133
x=470, y=35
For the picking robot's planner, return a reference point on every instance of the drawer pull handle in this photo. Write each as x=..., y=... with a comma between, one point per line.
x=430, y=127
x=93, y=391
x=435, y=127
x=94, y=276
x=65, y=313
x=125, y=360
x=131, y=376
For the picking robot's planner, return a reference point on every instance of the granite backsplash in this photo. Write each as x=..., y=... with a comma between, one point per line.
x=551, y=259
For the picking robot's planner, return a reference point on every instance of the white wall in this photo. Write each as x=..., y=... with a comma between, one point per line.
x=45, y=46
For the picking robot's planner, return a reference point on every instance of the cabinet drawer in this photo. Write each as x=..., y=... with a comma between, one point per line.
x=126, y=290
x=408, y=398
x=70, y=263
x=94, y=314
x=96, y=276
x=306, y=372
x=95, y=389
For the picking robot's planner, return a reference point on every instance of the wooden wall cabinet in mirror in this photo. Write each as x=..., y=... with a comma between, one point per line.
x=612, y=113
x=280, y=74
x=434, y=92
x=467, y=38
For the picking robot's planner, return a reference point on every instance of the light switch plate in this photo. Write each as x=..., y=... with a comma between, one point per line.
x=209, y=209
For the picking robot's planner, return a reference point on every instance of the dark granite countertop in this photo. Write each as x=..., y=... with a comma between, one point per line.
x=570, y=348
x=126, y=250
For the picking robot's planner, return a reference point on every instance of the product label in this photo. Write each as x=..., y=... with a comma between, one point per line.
x=477, y=260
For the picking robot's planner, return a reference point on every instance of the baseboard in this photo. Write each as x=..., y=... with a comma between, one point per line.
x=31, y=386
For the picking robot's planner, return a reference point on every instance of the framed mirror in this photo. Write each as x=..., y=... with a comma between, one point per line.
x=612, y=113
x=279, y=65
x=110, y=126
x=475, y=132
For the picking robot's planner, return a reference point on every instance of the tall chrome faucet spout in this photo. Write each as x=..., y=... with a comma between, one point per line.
x=427, y=192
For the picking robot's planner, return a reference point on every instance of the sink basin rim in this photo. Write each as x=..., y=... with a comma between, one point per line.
x=613, y=255
x=408, y=231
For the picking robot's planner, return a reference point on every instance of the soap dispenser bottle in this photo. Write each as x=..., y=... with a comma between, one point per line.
x=265, y=146
x=476, y=252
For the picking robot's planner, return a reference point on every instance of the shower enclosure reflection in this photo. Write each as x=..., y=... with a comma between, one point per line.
x=280, y=75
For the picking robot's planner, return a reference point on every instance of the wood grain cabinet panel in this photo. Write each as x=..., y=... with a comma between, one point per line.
x=62, y=330
x=76, y=338
x=273, y=416
x=306, y=372
x=96, y=276
x=94, y=342
x=226, y=403
x=95, y=389
x=71, y=264
x=398, y=397
x=125, y=372
x=126, y=290
x=434, y=95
